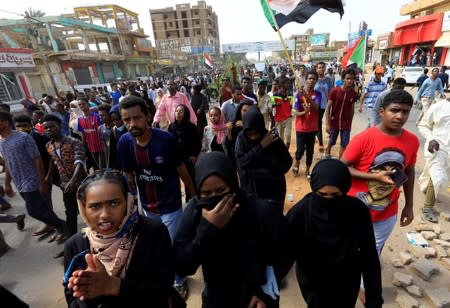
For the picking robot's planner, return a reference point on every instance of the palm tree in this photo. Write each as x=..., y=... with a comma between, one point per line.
x=33, y=13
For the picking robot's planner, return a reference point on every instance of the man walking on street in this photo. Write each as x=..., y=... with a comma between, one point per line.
x=427, y=91
x=398, y=84
x=381, y=159
x=340, y=111
x=435, y=128
x=25, y=168
x=152, y=160
x=169, y=103
x=68, y=158
x=371, y=92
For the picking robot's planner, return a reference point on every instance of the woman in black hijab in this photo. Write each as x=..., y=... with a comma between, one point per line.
x=262, y=159
x=334, y=242
x=239, y=241
x=187, y=137
x=200, y=105
x=236, y=127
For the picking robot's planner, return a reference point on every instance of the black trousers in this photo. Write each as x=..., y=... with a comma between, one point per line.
x=305, y=141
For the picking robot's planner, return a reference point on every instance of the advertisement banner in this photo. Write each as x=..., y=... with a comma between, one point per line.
x=257, y=46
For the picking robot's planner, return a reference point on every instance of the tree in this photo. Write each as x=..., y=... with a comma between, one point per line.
x=33, y=13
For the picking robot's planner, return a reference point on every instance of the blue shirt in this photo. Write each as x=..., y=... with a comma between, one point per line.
x=115, y=96
x=429, y=88
x=154, y=167
x=324, y=86
x=19, y=151
x=372, y=90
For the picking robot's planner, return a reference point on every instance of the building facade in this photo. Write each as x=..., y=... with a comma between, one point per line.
x=183, y=33
x=93, y=46
x=421, y=39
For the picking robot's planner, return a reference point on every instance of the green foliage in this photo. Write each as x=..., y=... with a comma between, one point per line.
x=33, y=13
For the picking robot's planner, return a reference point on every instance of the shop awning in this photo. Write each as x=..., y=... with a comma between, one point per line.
x=444, y=40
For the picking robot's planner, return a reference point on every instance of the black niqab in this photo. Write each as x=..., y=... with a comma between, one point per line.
x=254, y=120
x=216, y=163
x=326, y=217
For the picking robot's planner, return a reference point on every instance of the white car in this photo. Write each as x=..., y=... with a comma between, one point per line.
x=411, y=74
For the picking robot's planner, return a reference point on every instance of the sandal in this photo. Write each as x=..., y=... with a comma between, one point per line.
x=428, y=215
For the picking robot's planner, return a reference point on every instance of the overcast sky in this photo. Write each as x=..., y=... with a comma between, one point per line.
x=243, y=20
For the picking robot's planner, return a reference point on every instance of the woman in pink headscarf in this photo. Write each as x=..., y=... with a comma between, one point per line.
x=215, y=133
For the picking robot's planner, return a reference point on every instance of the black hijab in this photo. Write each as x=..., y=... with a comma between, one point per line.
x=254, y=120
x=216, y=163
x=327, y=219
x=180, y=127
x=238, y=116
x=331, y=172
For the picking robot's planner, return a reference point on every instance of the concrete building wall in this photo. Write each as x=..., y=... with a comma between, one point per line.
x=185, y=29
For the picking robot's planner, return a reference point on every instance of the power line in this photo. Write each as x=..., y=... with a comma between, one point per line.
x=13, y=13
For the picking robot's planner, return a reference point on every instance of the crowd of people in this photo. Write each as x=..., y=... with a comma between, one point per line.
x=166, y=180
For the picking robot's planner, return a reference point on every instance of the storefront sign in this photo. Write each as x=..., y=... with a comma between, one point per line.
x=14, y=58
x=383, y=44
x=446, y=22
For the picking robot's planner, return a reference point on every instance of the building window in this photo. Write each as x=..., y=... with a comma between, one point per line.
x=9, y=89
x=197, y=32
x=186, y=33
x=183, y=15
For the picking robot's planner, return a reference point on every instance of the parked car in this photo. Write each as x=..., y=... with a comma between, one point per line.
x=411, y=73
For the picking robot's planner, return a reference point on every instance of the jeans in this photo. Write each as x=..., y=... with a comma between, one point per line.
x=171, y=221
x=40, y=208
x=382, y=230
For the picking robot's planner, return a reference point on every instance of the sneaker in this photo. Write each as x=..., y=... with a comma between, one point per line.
x=183, y=290
x=20, y=222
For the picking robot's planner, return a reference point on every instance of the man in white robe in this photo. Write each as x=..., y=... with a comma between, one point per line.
x=435, y=128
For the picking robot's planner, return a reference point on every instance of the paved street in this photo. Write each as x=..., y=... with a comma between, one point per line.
x=30, y=271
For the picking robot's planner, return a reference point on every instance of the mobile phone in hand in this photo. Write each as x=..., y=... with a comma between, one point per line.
x=399, y=177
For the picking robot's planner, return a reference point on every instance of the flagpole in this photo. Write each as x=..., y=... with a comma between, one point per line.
x=277, y=29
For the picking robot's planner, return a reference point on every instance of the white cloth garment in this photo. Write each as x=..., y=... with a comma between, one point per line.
x=435, y=124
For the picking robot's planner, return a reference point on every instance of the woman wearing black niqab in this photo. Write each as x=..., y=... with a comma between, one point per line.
x=334, y=242
x=234, y=237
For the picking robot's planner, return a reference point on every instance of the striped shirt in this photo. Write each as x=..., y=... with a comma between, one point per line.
x=372, y=90
x=88, y=127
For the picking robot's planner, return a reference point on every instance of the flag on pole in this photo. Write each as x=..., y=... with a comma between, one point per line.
x=356, y=54
x=207, y=60
x=279, y=13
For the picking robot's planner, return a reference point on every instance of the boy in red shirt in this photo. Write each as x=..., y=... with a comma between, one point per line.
x=381, y=159
x=306, y=122
x=339, y=112
x=282, y=104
